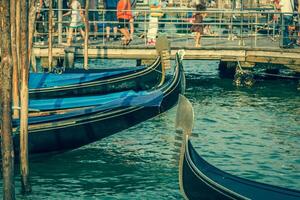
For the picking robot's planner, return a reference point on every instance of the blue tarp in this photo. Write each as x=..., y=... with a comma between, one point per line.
x=72, y=102
x=44, y=80
x=102, y=103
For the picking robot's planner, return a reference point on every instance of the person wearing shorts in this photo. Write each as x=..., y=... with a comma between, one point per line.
x=77, y=19
x=124, y=15
x=111, y=18
x=93, y=16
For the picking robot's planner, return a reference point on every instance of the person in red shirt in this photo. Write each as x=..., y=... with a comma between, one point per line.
x=124, y=15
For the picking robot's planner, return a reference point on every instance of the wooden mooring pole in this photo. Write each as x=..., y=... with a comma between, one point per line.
x=50, y=37
x=86, y=38
x=15, y=82
x=6, y=104
x=31, y=30
x=24, y=167
x=18, y=34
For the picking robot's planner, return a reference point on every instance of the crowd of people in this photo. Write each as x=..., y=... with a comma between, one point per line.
x=288, y=8
x=119, y=17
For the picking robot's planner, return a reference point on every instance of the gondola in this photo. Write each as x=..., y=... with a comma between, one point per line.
x=201, y=180
x=43, y=85
x=81, y=126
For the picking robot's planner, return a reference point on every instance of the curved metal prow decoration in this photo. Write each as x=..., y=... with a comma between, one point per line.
x=184, y=125
x=184, y=115
x=163, y=77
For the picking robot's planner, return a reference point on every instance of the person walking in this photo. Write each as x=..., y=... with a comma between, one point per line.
x=77, y=19
x=287, y=8
x=155, y=13
x=198, y=27
x=124, y=15
x=94, y=16
x=111, y=18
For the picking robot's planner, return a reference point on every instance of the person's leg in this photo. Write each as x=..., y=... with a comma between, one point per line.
x=131, y=22
x=82, y=33
x=69, y=39
x=197, y=39
x=287, y=20
x=115, y=29
x=107, y=32
x=126, y=35
x=152, y=30
x=95, y=30
x=123, y=27
x=96, y=24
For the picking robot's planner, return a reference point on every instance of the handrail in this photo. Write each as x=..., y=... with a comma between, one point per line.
x=253, y=25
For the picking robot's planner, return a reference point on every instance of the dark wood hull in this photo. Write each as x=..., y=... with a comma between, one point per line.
x=80, y=130
x=201, y=180
x=140, y=79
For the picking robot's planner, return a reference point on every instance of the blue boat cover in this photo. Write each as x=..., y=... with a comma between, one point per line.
x=111, y=101
x=46, y=80
x=84, y=101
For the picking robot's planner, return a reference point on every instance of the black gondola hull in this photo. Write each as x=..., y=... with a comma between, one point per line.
x=78, y=131
x=140, y=79
x=201, y=180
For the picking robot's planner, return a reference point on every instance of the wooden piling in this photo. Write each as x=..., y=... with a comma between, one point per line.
x=31, y=30
x=50, y=37
x=18, y=34
x=6, y=105
x=1, y=13
x=15, y=82
x=24, y=167
x=86, y=38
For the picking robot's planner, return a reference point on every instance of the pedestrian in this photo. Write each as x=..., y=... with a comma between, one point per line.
x=111, y=18
x=124, y=15
x=131, y=21
x=77, y=19
x=155, y=14
x=198, y=27
x=287, y=8
x=42, y=18
x=94, y=16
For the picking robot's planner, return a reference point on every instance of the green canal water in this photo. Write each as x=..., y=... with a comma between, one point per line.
x=250, y=132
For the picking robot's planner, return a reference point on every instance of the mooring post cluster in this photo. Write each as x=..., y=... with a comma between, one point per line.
x=17, y=19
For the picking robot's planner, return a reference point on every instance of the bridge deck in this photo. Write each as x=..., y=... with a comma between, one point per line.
x=266, y=50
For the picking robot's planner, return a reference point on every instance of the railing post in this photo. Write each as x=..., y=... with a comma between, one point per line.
x=86, y=38
x=60, y=20
x=282, y=29
x=255, y=34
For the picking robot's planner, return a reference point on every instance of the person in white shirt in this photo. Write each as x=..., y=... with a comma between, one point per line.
x=287, y=8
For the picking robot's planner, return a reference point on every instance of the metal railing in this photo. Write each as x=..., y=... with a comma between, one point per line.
x=221, y=28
